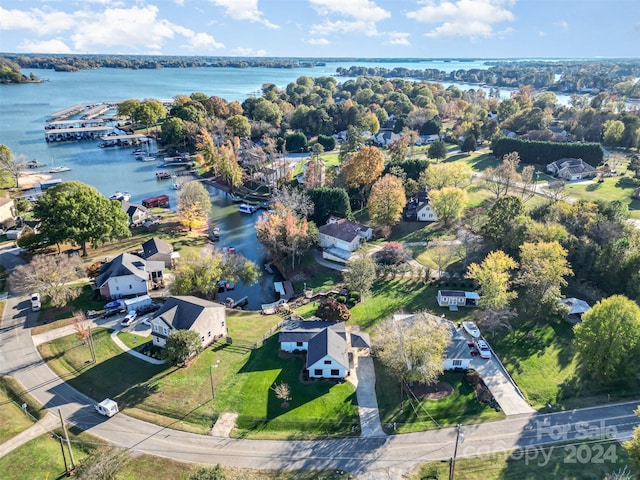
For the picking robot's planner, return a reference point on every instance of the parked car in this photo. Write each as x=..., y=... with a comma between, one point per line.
x=152, y=307
x=483, y=348
x=35, y=302
x=128, y=320
x=111, y=313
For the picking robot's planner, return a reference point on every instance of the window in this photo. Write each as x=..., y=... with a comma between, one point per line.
x=298, y=344
x=165, y=331
x=457, y=363
x=156, y=328
x=202, y=338
x=209, y=335
x=335, y=372
x=130, y=287
x=222, y=324
x=327, y=362
x=317, y=372
x=117, y=288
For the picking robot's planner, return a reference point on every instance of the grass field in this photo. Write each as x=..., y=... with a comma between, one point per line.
x=12, y=419
x=543, y=361
x=413, y=415
x=559, y=462
x=240, y=376
x=614, y=188
x=132, y=340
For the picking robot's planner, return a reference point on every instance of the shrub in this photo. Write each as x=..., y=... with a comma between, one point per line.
x=341, y=299
x=333, y=311
x=327, y=141
x=354, y=297
x=392, y=253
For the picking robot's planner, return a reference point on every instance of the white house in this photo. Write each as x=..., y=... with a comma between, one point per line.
x=424, y=210
x=457, y=355
x=457, y=298
x=326, y=345
x=571, y=169
x=129, y=274
x=189, y=313
x=340, y=237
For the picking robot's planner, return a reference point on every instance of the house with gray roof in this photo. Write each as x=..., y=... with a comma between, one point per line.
x=159, y=250
x=340, y=237
x=137, y=213
x=206, y=318
x=128, y=274
x=571, y=169
x=326, y=345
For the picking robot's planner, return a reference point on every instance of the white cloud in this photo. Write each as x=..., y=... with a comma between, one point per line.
x=542, y=34
x=249, y=52
x=137, y=29
x=562, y=25
x=364, y=10
x=244, y=10
x=318, y=41
x=464, y=18
x=40, y=22
x=397, y=38
x=45, y=46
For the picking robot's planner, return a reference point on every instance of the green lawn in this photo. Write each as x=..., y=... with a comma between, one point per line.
x=12, y=419
x=558, y=462
x=614, y=188
x=542, y=360
x=132, y=340
x=414, y=415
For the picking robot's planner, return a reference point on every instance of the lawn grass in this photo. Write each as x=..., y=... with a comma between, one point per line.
x=133, y=340
x=614, y=188
x=550, y=463
x=16, y=393
x=543, y=361
x=51, y=318
x=12, y=419
x=414, y=415
x=313, y=275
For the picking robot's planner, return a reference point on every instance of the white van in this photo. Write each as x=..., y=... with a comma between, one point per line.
x=35, y=302
x=107, y=407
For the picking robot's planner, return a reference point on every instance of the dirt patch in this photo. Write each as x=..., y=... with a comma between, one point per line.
x=435, y=391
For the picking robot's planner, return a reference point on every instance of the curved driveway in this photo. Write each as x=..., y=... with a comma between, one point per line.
x=386, y=457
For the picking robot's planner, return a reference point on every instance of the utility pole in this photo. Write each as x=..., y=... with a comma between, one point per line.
x=460, y=439
x=211, y=378
x=64, y=457
x=91, y=346
x=66, y=436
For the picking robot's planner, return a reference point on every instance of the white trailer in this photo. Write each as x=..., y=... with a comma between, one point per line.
x=138, y=304
x=107, y=407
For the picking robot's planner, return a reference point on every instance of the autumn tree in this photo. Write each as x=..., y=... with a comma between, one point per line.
x=50, y=276
x=413, y=348
x=440, y=175
x=399, y=148
x=194, y=205
x=182, y=345
x=543, y=268
x=386, y=201
x=282, y=392
x=361, y=169
x=608, y=338
x=448, y=203
x=360, y=275
x=73, y=211
x=199, y=274
x=504, y=178
x=284, y=234
x=314, y=173
x=494, y=279
x=333, y=311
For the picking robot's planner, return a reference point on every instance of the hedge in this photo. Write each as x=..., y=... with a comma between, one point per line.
x=536, y=152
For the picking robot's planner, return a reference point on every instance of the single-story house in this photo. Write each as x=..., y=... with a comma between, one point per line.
x=427, y=139
x=159, y=250
x=207, y=318
x=129, y=274
x=456, y=354
x=385, y=137
x=571, y=169
x=327, y=345
x=7, y=212
x=137, y=213
x=457, y=298
x=424, y=210
x=575, y=309
x=340, y=237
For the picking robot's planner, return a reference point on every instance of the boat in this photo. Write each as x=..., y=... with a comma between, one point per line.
x=471, y=328
x=163, y=175
x=59, y=169
x=268, y=269
x=143, y=158
x=123, y=197
x=244, y=208
x=138, y=151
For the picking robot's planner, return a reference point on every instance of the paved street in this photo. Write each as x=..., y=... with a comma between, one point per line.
x=378, y=457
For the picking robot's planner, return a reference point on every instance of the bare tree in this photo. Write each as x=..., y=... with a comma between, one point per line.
x=283, y=392
x=102, y=464
x=49, y=275
x=442, y=256
x=501, y=179
x=11, y=164
x=492, y=320
x=556, y=190
x=528, y=179
x=295, y=199
x=82, y=326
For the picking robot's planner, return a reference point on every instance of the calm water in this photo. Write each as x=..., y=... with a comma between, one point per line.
x=23, y=109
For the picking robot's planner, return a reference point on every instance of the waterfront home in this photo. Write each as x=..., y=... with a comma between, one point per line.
x=129, y=274
x=457, y=298
x=457, y=355
x=137, y=213
x=159, y=250
x=208, y=319
x=340, y=237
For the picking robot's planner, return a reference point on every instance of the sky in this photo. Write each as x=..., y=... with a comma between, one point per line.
x=325, y=28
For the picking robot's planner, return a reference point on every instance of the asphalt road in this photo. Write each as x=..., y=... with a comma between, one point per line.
x=387, y=457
